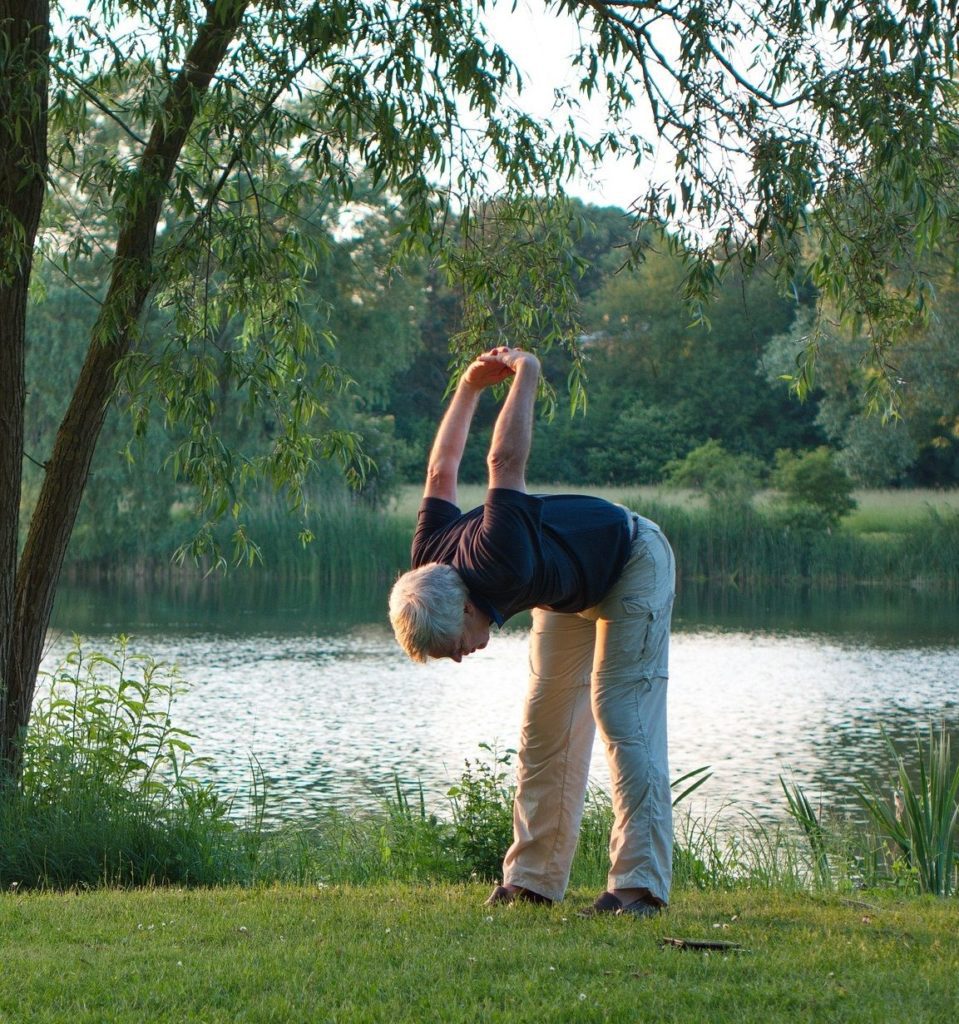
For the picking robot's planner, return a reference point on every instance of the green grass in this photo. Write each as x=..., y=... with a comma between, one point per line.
x=887, y=511
x=422, y=953
x=878, y=511
x=471, y=495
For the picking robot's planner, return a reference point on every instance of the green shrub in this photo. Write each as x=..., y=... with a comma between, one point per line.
x=922, y=821
x=724, y=478
x=110, y=791
x=482, y=803
x=815, y=489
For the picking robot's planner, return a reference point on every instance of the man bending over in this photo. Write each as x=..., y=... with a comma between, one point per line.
x=600, y=582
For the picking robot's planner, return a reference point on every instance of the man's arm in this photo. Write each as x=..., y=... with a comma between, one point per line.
x=447, y=452
x=513, y=432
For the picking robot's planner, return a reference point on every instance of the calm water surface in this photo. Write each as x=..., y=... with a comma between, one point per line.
x=308, y=679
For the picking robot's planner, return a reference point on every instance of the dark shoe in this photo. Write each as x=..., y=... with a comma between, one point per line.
x=607, y=903
x=501, y=895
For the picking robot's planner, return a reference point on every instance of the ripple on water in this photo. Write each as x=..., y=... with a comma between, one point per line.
x=331, y=718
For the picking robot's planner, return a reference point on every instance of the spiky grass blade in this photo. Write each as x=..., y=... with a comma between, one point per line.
x=801, y=810
x=690, y=789
x=925, y=827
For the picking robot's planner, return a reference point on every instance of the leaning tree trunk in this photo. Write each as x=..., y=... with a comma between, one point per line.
x=132, y=278
x=24, y=51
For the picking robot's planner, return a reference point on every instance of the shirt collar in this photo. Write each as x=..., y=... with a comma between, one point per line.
x=487, y=609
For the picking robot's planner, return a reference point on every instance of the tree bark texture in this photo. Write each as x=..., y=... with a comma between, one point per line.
x=132, y=277
x=24, y=51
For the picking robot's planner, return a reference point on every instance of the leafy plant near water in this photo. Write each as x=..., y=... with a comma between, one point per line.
x=922, y=822
x=111, y=789
x=803, y=814
x=482, y=804
x=113, y=793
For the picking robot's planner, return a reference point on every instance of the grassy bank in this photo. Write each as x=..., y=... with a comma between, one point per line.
x=421, y=953
x=876, y=510
x=113, y=794
x=746, y=548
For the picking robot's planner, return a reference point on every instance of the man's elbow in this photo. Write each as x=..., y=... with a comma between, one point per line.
x=506, y=470
x=441, y=474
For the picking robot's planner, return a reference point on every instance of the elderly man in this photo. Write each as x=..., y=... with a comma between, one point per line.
x=600, y=582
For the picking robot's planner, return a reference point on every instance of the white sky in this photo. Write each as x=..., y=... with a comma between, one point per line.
x=542, y=44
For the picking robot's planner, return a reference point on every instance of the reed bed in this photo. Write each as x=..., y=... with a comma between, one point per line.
x=747, y=547
x=894, y=539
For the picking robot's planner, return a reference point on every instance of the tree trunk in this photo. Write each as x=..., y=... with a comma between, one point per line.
x=24, y=50
x=131, y=280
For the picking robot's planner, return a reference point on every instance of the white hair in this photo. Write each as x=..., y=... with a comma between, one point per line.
x=427, y=609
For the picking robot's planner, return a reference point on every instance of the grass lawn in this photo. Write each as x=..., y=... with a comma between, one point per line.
x=390, y=953
x=893, y=511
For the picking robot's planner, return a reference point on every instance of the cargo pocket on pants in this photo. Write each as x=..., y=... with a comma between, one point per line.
x=654, y=624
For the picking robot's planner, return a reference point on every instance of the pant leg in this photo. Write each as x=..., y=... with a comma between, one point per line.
x=629, y=684
x=554, y=754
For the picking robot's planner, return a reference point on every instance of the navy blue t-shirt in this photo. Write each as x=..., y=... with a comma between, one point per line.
x=519, y=551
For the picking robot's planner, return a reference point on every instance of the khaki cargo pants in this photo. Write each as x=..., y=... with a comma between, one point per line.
x=606, y=668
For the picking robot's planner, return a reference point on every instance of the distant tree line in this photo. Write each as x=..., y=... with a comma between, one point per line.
x=659, y=386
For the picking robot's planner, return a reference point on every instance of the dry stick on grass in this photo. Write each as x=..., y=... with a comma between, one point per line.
x=704, y=944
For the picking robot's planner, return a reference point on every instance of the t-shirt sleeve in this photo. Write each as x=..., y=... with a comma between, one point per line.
x=434, y=515
x=506, y=549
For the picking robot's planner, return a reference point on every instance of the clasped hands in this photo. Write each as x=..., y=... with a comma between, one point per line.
x=497, y=365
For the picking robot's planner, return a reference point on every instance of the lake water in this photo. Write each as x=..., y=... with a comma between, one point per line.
x=307, y=678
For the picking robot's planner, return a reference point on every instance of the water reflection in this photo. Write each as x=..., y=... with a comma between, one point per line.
x=795, y=683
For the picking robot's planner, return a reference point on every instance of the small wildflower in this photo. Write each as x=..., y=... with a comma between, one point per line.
x=582, y=996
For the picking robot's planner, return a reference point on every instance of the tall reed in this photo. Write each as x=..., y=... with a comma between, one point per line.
x=338, y=538
x=750, y=547
x=922, y=821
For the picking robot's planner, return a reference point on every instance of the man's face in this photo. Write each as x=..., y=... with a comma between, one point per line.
x=474, y=636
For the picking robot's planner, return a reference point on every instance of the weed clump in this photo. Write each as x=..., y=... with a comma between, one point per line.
x=111, y=790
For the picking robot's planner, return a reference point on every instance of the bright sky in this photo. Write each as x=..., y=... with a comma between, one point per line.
x=542, y=44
